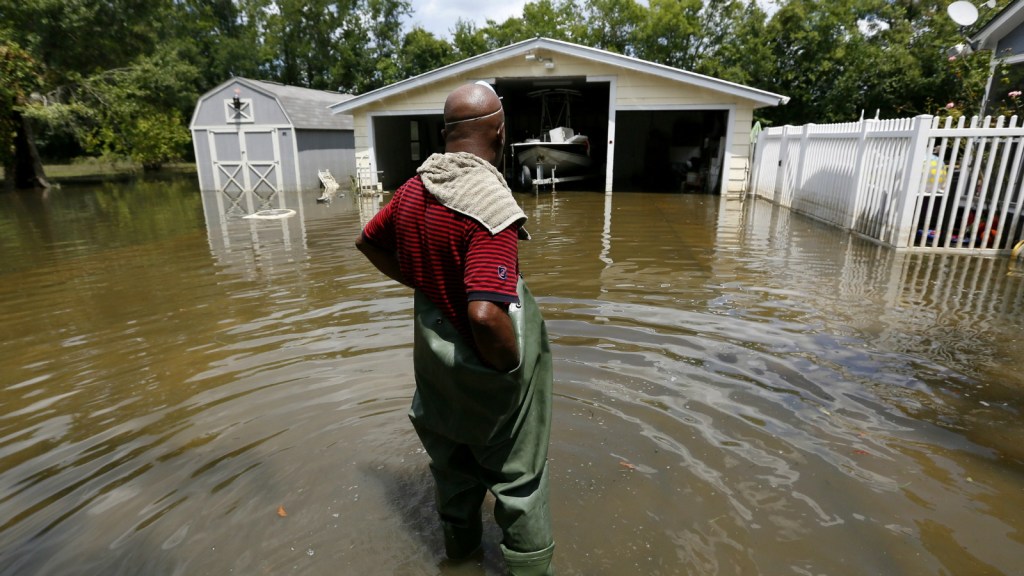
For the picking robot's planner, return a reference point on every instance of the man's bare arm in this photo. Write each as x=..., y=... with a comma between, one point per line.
x=384, y=261
x=493, y=334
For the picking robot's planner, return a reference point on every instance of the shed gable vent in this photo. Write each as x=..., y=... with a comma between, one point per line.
x=238, y=110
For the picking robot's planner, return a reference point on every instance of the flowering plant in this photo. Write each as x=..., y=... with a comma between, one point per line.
x=967, y=76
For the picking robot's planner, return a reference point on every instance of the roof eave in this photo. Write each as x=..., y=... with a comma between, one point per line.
x=761, y=97
x=999, y=26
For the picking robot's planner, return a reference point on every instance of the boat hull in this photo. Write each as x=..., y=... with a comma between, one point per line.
x=566, y=158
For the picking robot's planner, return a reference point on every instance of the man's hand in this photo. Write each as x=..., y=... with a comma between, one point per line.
x=493, y=334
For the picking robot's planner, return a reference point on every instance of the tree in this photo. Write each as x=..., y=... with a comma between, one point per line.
x=422, y=52
x=556, y=19
x=742, y=51
x=671, y=33
x=384, y=18
x=468, y=39
x=841, y=58
x=613, y=24
x=107, y=79
x=18, y=156
x=134, y=111
x=79, y=37
x=222, y=38
x=301, y=34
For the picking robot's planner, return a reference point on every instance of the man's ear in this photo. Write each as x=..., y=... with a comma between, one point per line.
x=444, y=134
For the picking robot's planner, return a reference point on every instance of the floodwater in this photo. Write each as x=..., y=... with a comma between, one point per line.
x=738, y=391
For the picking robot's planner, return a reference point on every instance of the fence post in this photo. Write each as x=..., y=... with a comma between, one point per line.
x=780, y=175
x=858, y=174
x=910, y=188
x=755, y=169
x=798, y=182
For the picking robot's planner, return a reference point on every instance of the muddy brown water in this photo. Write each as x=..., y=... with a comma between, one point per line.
x=738, y=391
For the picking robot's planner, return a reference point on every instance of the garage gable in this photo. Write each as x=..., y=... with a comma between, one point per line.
x=547, y=55
x=648, y=126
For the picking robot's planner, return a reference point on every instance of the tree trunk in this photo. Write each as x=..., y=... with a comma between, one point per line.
x=28, y=167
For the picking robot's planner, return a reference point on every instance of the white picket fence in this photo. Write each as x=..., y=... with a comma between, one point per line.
x=911, y=183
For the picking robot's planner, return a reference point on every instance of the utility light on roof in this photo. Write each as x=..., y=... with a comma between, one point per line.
x=548, y=62
x=961, y=49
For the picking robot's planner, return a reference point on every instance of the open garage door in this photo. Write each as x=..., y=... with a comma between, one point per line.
x=402, y=143
x=533, y=106
x=670, y=150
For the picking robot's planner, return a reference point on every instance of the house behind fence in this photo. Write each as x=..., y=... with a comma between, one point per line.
x=919, y=183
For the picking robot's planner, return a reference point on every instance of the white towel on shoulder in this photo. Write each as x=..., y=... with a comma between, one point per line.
x=469, y=185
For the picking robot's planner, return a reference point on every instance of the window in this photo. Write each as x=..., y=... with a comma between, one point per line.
x=1005, y=95
x=414, y=138
x=238, y=109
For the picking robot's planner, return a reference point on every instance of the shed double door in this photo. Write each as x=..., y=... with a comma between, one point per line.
x=246, y=161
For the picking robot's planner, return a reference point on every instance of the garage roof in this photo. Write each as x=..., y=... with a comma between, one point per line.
x=306, y=108
x=560, y=47
x=1008, y=19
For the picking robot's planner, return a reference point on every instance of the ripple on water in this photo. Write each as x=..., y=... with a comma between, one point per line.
x=738, y=391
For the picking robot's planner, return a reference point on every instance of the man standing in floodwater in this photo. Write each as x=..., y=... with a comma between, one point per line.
x=482, y=406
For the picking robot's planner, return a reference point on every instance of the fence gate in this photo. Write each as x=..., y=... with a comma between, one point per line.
x=246, y=161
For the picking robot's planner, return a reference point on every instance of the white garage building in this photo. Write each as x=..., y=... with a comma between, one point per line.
x=650, y=127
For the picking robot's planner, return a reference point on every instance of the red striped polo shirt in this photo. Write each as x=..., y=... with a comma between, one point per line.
x=448, y=256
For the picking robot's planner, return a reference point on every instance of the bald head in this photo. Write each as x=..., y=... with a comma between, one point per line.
x=474, y=122
x=470, y=101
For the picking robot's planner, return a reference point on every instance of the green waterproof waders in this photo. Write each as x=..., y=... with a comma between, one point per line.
x=487, y=430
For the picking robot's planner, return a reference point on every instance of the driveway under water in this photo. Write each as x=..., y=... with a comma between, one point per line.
x=738, y=391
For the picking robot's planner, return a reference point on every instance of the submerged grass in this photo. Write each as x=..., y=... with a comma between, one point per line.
x=96, y=170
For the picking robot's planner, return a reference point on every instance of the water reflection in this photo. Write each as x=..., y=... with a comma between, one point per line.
x=369, y=205
x=738, y=391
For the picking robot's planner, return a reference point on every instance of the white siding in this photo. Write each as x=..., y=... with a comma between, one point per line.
x=634, y=90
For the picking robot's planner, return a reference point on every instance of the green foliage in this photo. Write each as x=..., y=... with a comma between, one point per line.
x=1006, y=96
x=132, y=111
x=841, y=58
x=348, y=46
x=82, y=37
x=556, y=19
x=468, y=39
x=613, y=24
x=741, y=54
x=222, y=38
x=122, y=76
x=670, y=33
x=19, y=77
x=965, y=78
x=422, y=52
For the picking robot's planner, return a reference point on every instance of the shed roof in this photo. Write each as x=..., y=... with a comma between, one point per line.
x=762, y=97
x=1004, y=22
x=306, y=108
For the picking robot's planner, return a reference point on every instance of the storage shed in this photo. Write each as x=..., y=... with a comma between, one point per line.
x=265, y=137
x=650, y=127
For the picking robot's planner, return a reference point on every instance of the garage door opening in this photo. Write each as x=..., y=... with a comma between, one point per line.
x=525, y=119
x=402, y=143
x=670, y=150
